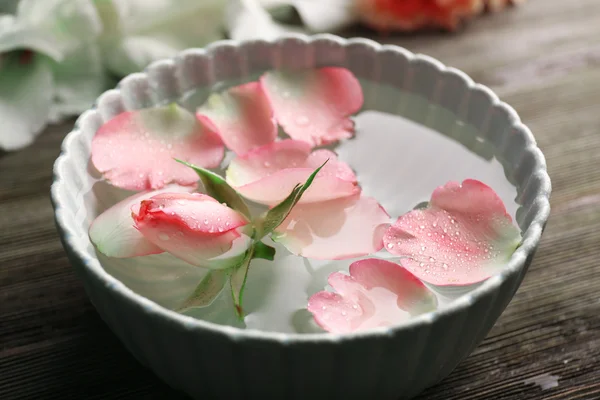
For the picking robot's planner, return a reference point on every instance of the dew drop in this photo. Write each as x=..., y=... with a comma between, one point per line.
x=324, y=308
x=181, y=202
x=435, y=224
x=302, y=120
x=163, y=236
x=390, y=245
x=169, y=146
x=422, y=227
x=421, y=265
x=267, y=164
x=453, y=221
x=355, y=306
x=205, y=222
x=431, y=259
x=344, y=313
x=445, y=266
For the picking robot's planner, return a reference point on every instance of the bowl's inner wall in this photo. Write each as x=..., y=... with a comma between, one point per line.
x=412, y=159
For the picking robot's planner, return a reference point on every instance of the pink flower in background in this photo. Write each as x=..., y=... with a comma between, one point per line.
x=463, y=237
x=407, y=15
x=377, y=293
x=268, y=174
x=136, y=149
x=193, y=227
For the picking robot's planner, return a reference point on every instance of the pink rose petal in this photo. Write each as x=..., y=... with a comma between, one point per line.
x=268, y=174
x=336, y=229
x=113, y=232
x=136, y=149
x=314, y=105
x=243, y=116
x=463, y=237
x=193, y=227
x=377, y=293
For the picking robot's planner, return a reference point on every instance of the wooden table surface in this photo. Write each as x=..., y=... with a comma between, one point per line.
x=543, y=58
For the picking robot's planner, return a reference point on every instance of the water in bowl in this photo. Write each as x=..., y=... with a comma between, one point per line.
x=399, y=159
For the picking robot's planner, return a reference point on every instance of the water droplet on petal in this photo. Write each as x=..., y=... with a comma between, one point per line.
x=302, y=120
x=163, y=236
x=390, y=245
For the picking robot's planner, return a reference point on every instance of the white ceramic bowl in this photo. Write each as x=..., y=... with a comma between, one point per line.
x=207, y=360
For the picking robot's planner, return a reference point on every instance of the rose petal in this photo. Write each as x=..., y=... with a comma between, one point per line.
x=193, y=227
x=243, y=116
x=268, y=174
x=136, y=149
x=336, y=229
x=113, y=232
x=463, y=237
x=314, y=106
x=377, y=293
x=196, y=212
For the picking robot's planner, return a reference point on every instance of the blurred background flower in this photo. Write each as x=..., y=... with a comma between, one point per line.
x=57, y=56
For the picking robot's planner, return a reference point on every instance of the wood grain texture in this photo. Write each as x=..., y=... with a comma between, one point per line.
x=543, y=58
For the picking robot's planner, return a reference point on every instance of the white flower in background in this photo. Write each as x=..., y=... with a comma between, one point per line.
x=56, y=55
x=49, y=66
x=137, y=32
